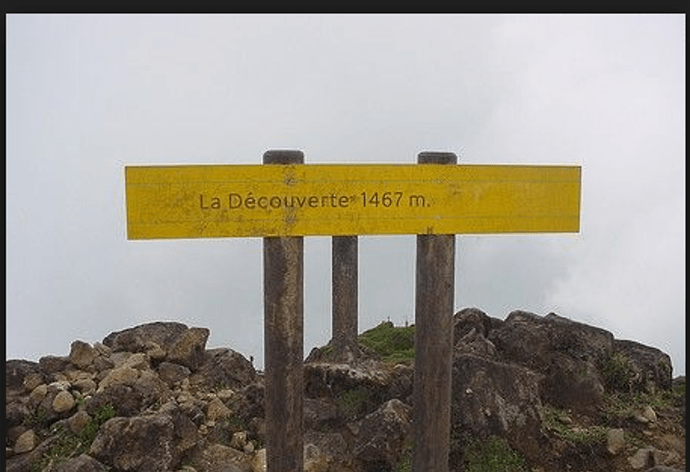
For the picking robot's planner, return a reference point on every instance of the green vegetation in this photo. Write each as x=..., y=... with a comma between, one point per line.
x=493, y=455
x=394, y=344
x=100, y=416
x=68, y=444
x=559, y=422
x=36, y=418
x=350, y=402
x=404, y=464
x=679, y=388
x=621, y=406
x=616, y=371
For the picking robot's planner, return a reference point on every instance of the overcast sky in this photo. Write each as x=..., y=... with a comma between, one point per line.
x=87, y=95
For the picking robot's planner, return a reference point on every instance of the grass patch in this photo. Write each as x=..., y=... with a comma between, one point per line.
x=404, y=463
x=493, y=455
x=560, y=423
x=394, y=344
x=621, y=406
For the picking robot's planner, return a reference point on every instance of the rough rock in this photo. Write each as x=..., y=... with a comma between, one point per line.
x=221, y=458
x=493, y=398
x=81, y=463
x=119, y=376
x=181, y=344
x=615, y=440
x=188, y=348
x=26, y=442
x=172, y=374
x=650, y=369
x=473, y=319
x=560, y=394
x=139, y=338
x=383, y=434
x=223, y=368
x=78, y=421
x=139, y=444
x=328, y=451
x=377, y=382
x=320, y=413
x=82, y=354
x=217, y=410
x=16, y=371
x=63, y=401
x=564, y=351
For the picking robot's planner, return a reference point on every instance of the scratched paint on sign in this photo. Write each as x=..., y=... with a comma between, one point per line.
x=212, y=201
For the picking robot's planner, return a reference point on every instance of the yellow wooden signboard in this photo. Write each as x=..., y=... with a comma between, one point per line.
x=215, y=201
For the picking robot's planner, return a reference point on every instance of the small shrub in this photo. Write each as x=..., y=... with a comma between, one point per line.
x=100, y=416
x=36, y=418
x=350, y=402
x=616, y=371
x=68, y=444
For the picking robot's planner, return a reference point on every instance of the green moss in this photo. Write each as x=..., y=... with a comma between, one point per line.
x=393, y=344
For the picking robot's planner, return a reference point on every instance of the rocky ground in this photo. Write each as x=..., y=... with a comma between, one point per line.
x=530, y=393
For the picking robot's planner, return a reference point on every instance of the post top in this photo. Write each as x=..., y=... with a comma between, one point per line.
x=429, y=157
x=283, y=156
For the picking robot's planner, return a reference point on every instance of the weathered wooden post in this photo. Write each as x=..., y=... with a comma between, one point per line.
x=344, y=261
x=284, y=341
x=434, y=293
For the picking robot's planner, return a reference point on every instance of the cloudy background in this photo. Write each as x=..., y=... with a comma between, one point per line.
x=87, y=95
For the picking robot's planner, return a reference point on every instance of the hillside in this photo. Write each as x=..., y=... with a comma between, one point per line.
x=530, y=393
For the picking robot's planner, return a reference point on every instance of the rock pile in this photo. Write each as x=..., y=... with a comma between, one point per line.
x=153, y=399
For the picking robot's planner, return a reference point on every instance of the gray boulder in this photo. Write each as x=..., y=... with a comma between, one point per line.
x=223, y=368
x=492, y=398
x=565, y=352
x=172, y=341
x=16, y=371
x=137, y=444
x=649, y=369
x=383, y=434
x=139, y=338
x=82, y=354
x=82, y=463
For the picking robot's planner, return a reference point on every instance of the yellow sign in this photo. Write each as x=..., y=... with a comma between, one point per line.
x=215, y=201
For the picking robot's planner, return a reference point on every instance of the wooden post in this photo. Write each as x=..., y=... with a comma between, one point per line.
x=284, y=341
x=344, y=255
x=434, y=294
